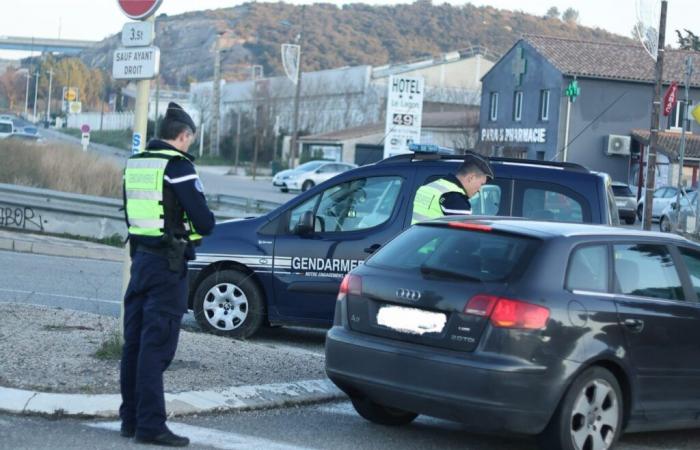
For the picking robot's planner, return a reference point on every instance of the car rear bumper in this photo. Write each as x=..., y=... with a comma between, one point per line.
x=489, y=394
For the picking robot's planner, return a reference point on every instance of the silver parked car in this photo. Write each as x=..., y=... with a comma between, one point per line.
x=309, y=175
x=669, y=217
x=626, y=201
x=663, y=196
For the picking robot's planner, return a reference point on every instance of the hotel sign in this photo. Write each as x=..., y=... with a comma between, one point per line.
x=520, y=135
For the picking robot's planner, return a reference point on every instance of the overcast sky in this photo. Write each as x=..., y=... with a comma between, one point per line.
x=97, y=19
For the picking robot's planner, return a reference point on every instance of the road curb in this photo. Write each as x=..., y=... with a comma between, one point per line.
x=238, y=398
x=105, y=253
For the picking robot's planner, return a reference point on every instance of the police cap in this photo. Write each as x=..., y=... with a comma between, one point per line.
x=177, y=114
x=480, y=162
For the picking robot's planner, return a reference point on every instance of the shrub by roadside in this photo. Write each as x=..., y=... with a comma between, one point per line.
x=60, y=168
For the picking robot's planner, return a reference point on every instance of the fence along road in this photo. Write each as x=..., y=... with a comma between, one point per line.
x=47, y=211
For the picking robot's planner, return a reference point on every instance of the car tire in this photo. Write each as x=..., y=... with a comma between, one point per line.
x=589, y=416
x=284, y=189
x=308, y=184
x=630, y=220
x=664, y=225
x=640, y=210
x=229, y=303
x=382, y=415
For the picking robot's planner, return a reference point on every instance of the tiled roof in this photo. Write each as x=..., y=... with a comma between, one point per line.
x=610, y=60
x=670, y=143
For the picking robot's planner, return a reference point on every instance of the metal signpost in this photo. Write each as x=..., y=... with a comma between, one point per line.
x=404, y=109
x=140, y=62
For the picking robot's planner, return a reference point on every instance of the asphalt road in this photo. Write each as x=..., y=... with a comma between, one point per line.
x=323, y=426
x=95, y=286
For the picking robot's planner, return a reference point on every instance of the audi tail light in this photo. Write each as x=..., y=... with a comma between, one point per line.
x=351, y=284
x=508, y=313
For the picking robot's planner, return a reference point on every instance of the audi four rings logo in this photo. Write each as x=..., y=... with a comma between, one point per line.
x=408, y=294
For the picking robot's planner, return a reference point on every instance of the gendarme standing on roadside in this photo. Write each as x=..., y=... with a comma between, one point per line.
x=167, y=214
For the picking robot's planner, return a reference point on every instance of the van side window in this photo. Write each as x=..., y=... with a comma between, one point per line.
x=493, y=199
x=544, y=201
x=351, y=206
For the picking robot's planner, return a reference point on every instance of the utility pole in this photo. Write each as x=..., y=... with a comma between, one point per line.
x=238, y=139
x=36, y=92
x=684, y=124
x=297, y=93
x=155, y=130
x=26, y=95
x=216, y=99
x=48, y=103
x=654, y=130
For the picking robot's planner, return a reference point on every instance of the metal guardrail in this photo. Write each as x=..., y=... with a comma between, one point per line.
x=244, y=204
x=45, y=210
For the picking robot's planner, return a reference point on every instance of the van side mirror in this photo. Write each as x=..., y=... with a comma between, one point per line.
x=305, y=224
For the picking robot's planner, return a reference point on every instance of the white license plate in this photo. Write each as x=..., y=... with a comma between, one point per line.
x=411, y=320
x=619, y=204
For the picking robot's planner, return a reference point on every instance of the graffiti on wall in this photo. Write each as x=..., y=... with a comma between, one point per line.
x=22, y=217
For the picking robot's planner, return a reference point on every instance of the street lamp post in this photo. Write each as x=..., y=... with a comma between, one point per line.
x=36, y=92
x=48, y=103
x=26, y=95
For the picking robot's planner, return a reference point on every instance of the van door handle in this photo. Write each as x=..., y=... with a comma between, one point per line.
x=634, y=325
x=372, y=248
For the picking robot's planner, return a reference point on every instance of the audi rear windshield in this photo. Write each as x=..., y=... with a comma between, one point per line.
x=447, y=252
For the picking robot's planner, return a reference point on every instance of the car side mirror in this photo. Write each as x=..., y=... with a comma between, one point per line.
x=305, y=224
x=674, y=205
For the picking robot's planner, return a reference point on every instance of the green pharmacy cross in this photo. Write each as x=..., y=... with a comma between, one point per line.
x=519, y=66
x=572, y=91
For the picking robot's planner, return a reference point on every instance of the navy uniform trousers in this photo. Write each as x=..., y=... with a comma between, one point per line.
x=154, y=303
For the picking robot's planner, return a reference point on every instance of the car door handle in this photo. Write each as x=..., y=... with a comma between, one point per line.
x=372, y=248
x=634, y=325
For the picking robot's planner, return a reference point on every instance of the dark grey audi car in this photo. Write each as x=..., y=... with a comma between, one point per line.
x=575, y=333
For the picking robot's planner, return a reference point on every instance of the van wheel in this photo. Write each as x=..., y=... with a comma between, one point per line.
x=308, y=184
x=229, y=303
x=665, y=225
x=382, y=415
x=589, y=416
x=629, y=220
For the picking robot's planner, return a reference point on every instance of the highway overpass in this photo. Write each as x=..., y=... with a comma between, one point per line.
x=44, y=45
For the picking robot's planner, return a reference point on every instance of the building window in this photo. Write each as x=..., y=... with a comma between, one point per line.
x=493, y=107
x=544, y=104
x=677, y=116
x=540, y=155
x=518, y=106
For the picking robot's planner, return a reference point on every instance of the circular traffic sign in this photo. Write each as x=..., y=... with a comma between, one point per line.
x=85, y=128
x=139, y=9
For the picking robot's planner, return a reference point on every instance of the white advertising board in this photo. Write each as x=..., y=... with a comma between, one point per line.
x=404, y=111
x=139, y=63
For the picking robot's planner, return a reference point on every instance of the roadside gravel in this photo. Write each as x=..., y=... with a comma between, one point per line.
x=53, y=350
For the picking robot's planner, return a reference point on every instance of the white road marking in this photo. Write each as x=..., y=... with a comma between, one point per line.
x=72, y=297
x=212, y=437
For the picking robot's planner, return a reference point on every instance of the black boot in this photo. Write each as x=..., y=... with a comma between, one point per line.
x=166, y=438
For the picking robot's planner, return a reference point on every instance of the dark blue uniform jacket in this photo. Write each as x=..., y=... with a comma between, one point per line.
x=181, y=180
x=453, y=203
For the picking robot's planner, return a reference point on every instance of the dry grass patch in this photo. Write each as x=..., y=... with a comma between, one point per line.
x=58, y=167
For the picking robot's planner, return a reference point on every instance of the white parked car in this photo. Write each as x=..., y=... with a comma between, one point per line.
x=6, y=128
x=309, y=175
x=663, y=196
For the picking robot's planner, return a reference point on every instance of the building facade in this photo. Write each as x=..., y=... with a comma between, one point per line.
x=526, y=113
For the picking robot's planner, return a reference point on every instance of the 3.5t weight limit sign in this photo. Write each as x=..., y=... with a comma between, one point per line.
x=139, y=9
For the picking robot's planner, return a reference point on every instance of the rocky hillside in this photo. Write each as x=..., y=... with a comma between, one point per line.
x=333, y=36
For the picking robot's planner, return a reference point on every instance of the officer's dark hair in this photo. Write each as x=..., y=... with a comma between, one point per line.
x=171, y=129
x=475, y=164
